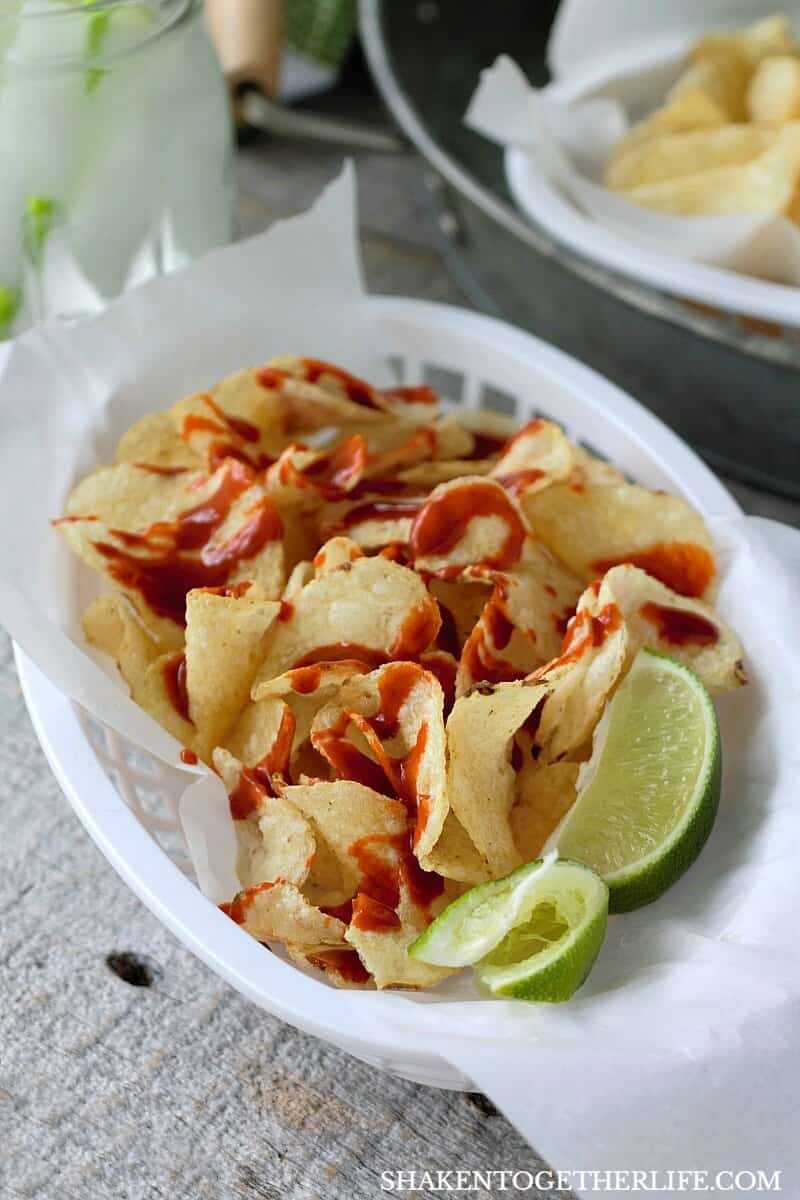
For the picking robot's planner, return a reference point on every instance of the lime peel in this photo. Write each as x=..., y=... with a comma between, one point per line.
x=648, y=797
x=533, y=935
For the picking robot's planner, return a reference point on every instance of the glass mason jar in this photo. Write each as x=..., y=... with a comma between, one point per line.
x=116, y=158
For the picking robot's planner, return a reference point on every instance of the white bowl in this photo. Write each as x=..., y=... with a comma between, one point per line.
x=128, y=800
x=542, y=200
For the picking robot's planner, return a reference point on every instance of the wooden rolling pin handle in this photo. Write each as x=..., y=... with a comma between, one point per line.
x=247, y=35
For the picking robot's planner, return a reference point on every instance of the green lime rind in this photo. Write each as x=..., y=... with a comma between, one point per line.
x=637, y=887
x=582, y=835
x=533, y=934
x=554, y=981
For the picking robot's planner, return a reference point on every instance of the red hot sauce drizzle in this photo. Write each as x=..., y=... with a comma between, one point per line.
x=391, y=775
x=386, y=861
x=585, y=631
x=443, y=521
x=222, y=425
x=517, y=482
x=356, y=390
x=333, y=474
x=305, y=680
x=255, y=783
x=237, y=908
x=683, y=566
x=680, y=627
x=344, y=963
x=478, y=659
x=166, y=574
x=485, y=445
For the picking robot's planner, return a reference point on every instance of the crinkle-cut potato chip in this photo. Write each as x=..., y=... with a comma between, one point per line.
x=306, y=690
x=341, y=966
x=764, y=185
x=157, y=680
x=398, y=710
x=690, y=109
x=155, y=442
x=158, y=536
x=545, y=794
x=225, y=638
x=367, y=834
x=592, y=658
x=402, y=445
x=383, y=949
x=113, y=625
x=428, y=474
x=301, y=574
x=455, y=856
x=303, y=478
x=373, y=611
x=335, y=552
x=676, y=155
x=773, y=96
x=768, y=36
x=538, y=456
x=316, y=394
x=523, y=622
x=279, y=912
x=374, y=519
x=676, y=625
x=401, y=403
x=164, y=695
x=480, y=775
x=461, y=602
x=275, y=840
x=591, y=471
x=466, y=522
x=234, y=422
x=592, y=528
x=256, y=730
x=722, y=78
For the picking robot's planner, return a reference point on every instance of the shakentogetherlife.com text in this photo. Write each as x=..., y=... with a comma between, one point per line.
x=555, y=1182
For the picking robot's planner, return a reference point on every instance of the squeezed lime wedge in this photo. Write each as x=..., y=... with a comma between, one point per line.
x=648, y=796
x=533, y=935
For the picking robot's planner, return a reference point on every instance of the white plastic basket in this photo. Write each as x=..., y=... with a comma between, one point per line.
x=128, y=800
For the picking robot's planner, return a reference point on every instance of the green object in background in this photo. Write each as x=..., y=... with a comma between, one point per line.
x=95, y=36
x=39, y=213
x=9, y=303
x=321, y=29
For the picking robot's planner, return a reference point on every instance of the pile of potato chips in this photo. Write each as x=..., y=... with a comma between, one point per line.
x=390, y=631
x=727, y=139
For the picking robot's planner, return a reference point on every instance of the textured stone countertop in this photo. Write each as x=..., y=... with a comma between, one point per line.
x=129, y=1078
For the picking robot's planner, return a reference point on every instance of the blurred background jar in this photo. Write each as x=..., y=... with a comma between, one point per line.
x=116, y=152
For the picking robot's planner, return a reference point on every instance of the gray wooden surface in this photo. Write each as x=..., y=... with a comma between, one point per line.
x=156, y=1079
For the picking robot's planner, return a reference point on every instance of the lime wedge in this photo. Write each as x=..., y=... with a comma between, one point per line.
x=534, y=934
x=648, y=796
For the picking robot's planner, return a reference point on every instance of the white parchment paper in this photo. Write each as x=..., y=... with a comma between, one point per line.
x=571, y=144
x=683, y=1048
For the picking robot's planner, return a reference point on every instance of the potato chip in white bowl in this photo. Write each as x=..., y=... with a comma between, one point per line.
x=642, y=161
